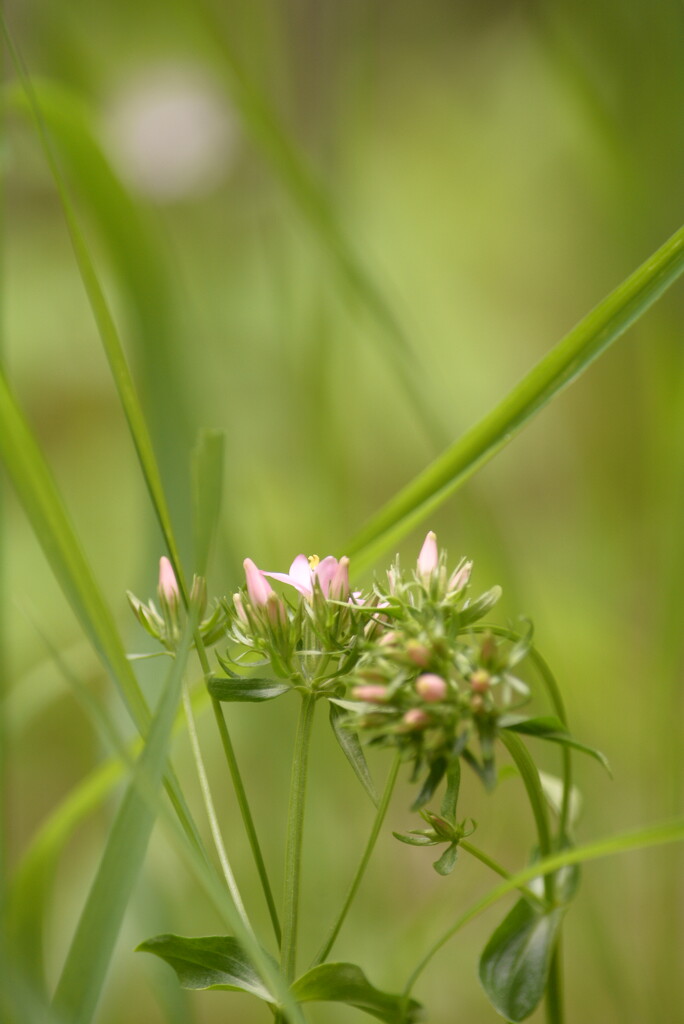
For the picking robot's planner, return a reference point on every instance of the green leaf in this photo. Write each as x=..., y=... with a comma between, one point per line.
x=346, y=983
x=351, y=748
x=435, y=776
x=414, y=838
x=552, y=729
x=556, y=371
x=250, y=690
x=91, y=949
x=445, y=864
x=450, y=801
x=207, y=485
x=213, y=961
x=514, y=966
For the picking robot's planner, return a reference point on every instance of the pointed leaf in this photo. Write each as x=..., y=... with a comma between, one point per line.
x=435, y=776
x=250, y=690
x=514, y=966
x=414, y=838
x=213, y=961
x=450, y=801
x=346, y=983
x=552, y=729
x=351, y=748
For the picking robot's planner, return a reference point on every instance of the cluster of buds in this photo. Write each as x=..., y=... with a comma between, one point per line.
x=311, y=640
x=433, y=683
x=166, y=623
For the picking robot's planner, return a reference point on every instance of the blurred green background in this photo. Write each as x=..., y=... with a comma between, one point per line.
x=493, y=170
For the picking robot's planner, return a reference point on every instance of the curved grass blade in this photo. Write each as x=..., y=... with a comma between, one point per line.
x=556, y=371
x=91, y=949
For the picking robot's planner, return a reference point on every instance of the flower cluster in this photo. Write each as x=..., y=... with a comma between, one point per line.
x=167, y=623
x=433, y=683
x=312, y=639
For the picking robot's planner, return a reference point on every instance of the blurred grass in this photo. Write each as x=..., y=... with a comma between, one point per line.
x=500, y=170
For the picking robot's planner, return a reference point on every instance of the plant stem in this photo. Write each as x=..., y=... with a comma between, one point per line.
x=324, y=952
x=211, y=811
x=554, y=986
x=499, y=870
x=295, y=831
x=240, y=792
x=530, y=776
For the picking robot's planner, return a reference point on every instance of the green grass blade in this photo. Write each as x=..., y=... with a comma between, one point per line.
x=90, y=952
x=556, y=371
x=207, y=486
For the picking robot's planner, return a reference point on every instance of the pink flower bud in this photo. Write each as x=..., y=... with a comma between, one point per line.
x=431, y=687
x=240, y=609
x=339, y=584
x=428, y=559
x=168, y=584
x=275, y=610
x=376, y=694
x=258, y=586
x=415, y=719
x=418, y=653
x=480, y=681
x=460, y=578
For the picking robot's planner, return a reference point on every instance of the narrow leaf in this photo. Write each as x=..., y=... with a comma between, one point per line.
x=91, y=949
x=413, y=839
x=514, y=966
x=450, y=801
x=214, y=961
x=552, y=729
x=346, y=983
x=435, y=776
x=250, y=690
x=556, y=371
x=352, y=750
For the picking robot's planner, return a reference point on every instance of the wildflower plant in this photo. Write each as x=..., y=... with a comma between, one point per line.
x=410, y=667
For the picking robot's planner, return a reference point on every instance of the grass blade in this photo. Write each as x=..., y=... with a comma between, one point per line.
x=90, y=952
x=556, y=371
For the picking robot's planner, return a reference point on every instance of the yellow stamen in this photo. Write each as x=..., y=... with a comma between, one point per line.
x=313, y=561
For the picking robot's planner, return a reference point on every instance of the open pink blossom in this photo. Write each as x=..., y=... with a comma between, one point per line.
x=332, y=576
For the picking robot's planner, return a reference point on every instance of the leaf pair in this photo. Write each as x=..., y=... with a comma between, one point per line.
x=219, y=962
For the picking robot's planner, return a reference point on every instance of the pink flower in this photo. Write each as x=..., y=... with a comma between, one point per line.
x=428, y=559
x=332, y=576
x=414, y=719
x=374, y=694
x=168, y=584
x=460, y=577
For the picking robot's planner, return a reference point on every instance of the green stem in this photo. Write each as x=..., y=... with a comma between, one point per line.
x=295, y=832
x=530, y=777
x=554, y=986
x=499, y=870
x=324, y=951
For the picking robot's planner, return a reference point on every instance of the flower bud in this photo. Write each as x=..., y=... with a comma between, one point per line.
x=414, y=719
x=459, y=579
x=275, y=609
x=240, y=609
x=168, y=585
x=480, y=681
x=339, y=584
x=428, y=559
x=258, y=586
x=375, y=694
x=198, y=595
x=477, y=703
x=431, y=687
x=418, y=653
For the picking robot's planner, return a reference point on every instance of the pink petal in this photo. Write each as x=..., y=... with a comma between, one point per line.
x=428, y=559
x=303, y=588
x=325, y=571
x=300, y=570
x=168, y=585
x=258, y=588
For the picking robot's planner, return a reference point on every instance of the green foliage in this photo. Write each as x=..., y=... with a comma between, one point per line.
x=514, y=967
x=346, y=983
x=213, y=961
x=251, y=689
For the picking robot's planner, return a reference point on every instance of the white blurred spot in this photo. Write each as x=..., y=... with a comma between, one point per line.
x=170, y=133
